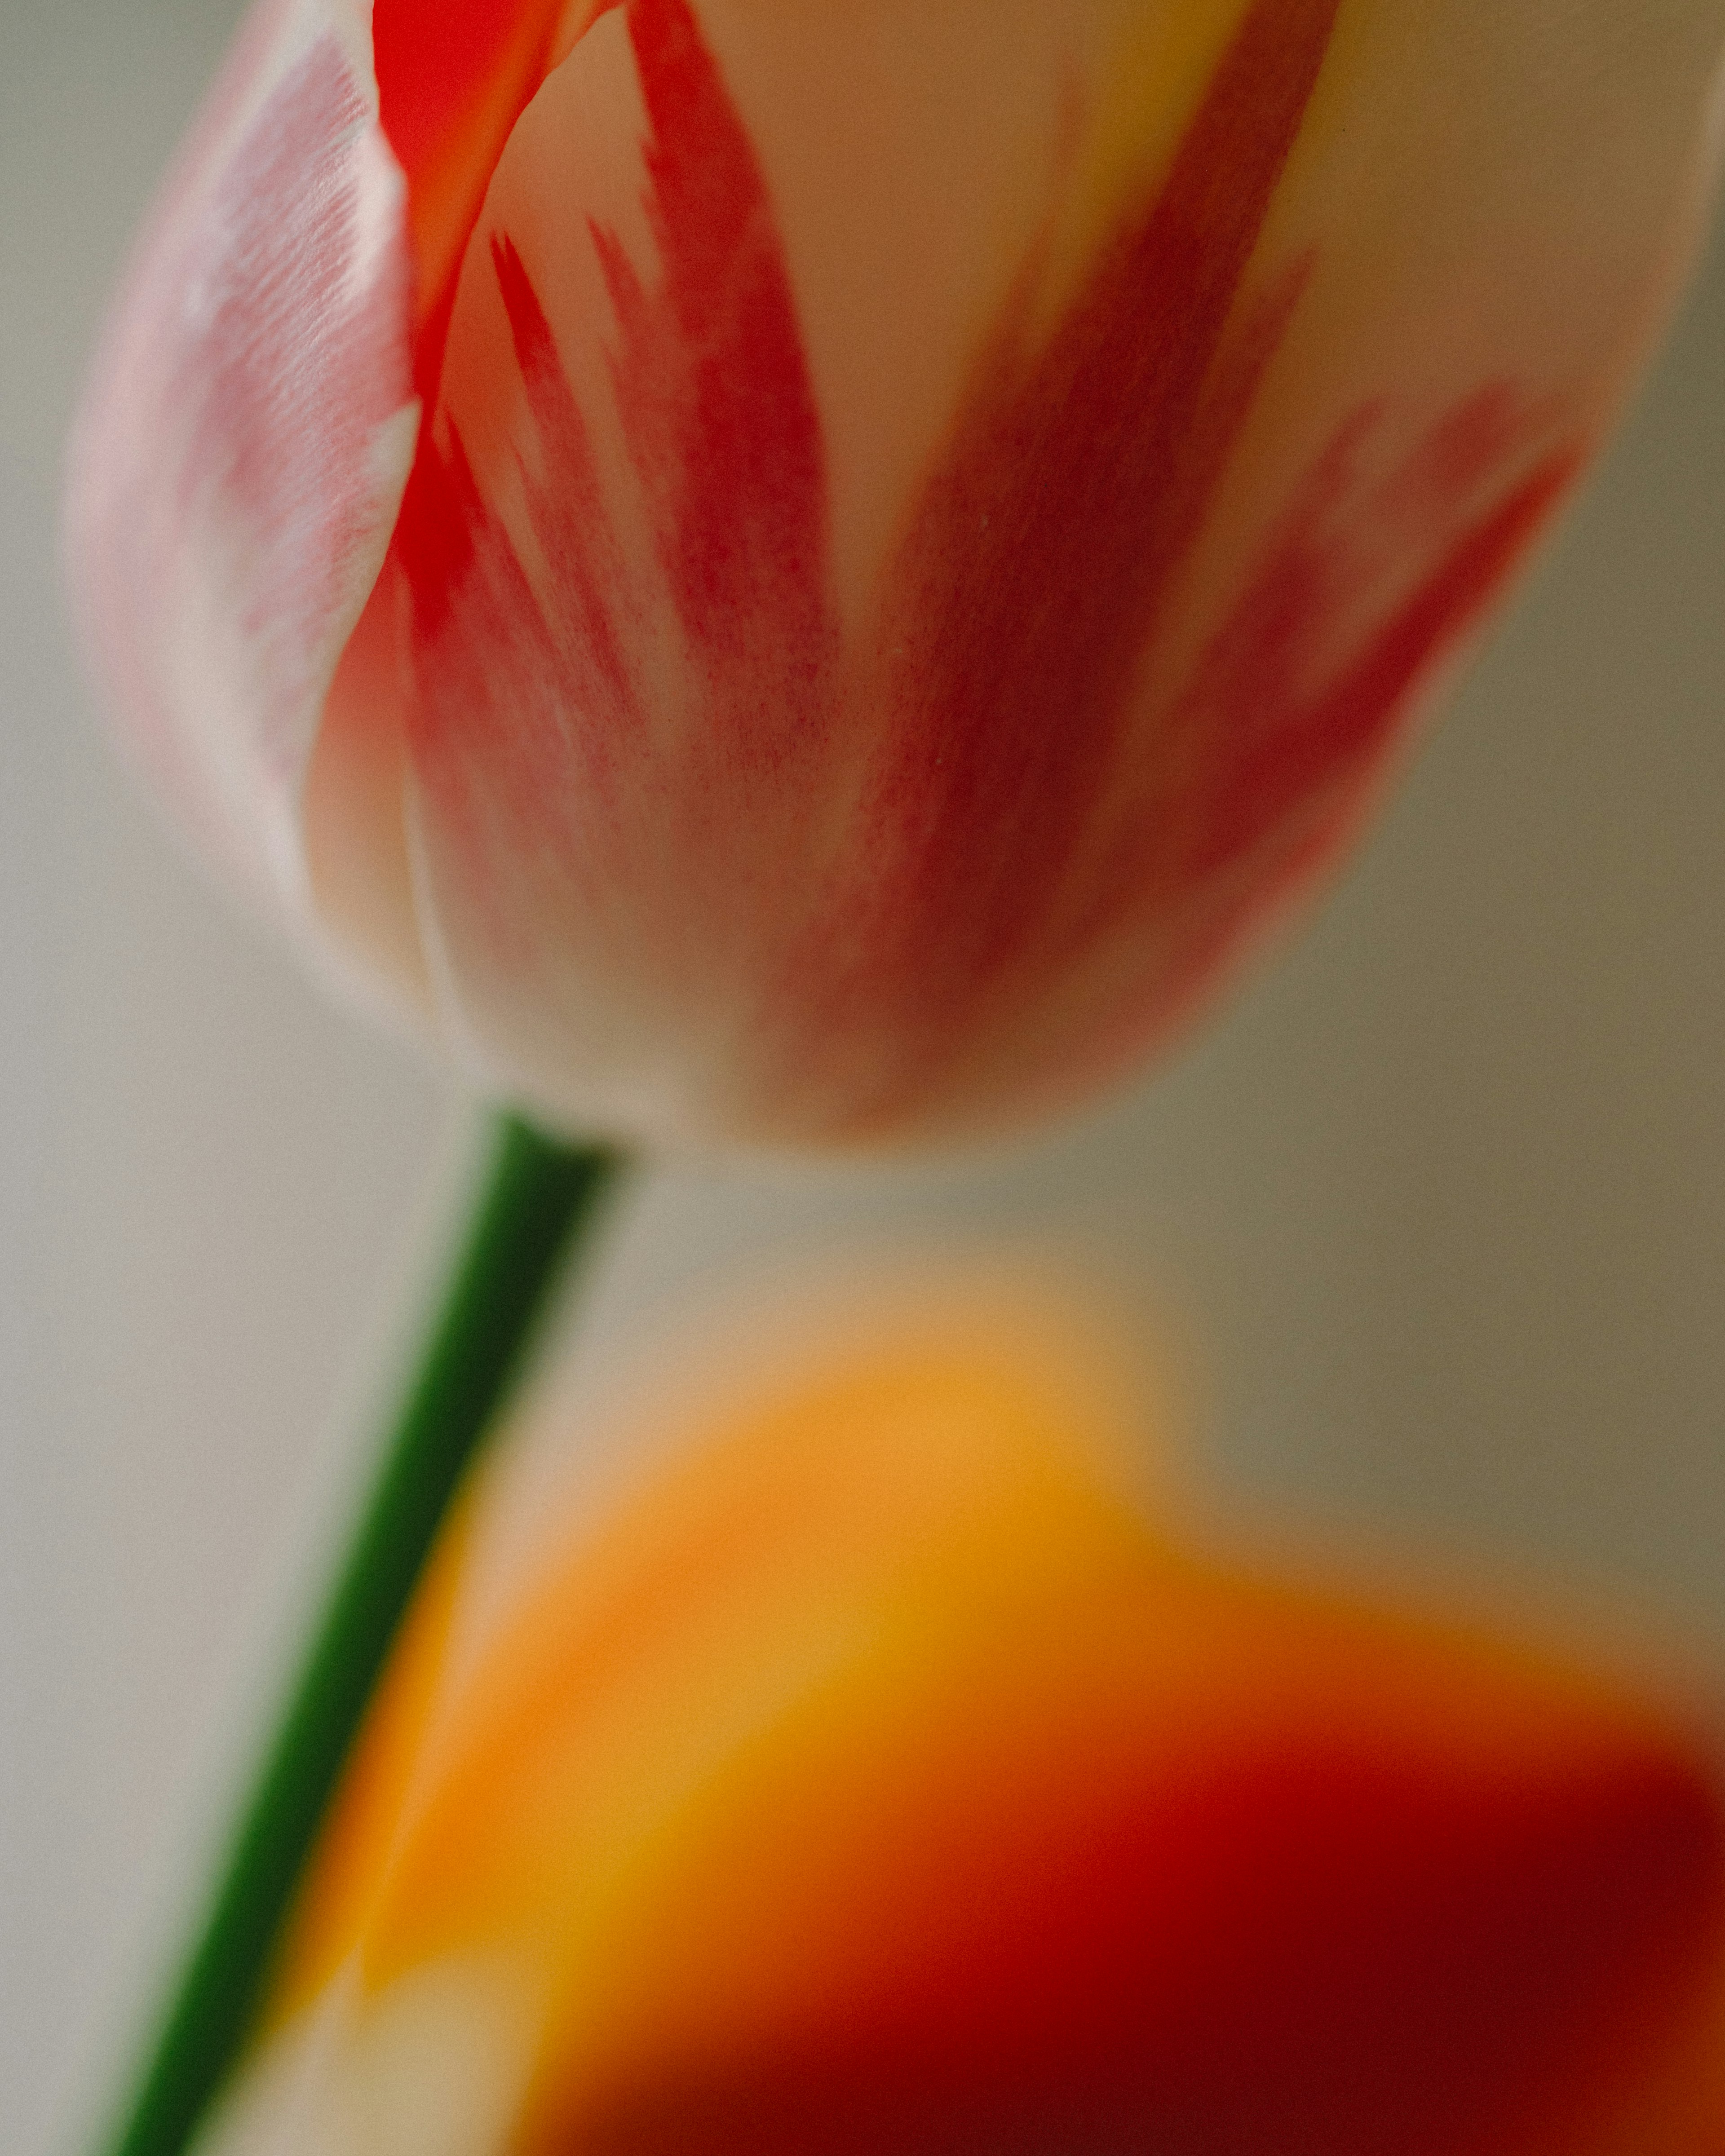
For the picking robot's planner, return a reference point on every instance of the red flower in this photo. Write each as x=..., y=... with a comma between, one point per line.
x=882, y=1780
x=810, y=573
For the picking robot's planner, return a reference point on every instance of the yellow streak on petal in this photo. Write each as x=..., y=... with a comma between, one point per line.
x=373, y=1808
x=696, y=1787
x=844, y=1533
x=578, y=17
x=1152, y=67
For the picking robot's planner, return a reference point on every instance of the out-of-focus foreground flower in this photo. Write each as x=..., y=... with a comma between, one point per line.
x=882, y=1780
x=808, y=571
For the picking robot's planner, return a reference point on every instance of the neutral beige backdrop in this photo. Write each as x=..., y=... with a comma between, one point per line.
x=1438, y=1209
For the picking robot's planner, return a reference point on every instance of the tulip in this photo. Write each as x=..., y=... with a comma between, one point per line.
x=815, y=574
x=882, y=1778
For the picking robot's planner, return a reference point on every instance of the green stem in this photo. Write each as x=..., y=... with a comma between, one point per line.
x=537, y=1198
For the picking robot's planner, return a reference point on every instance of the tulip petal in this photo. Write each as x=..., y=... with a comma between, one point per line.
x=452, y=83
x=929, y=524
x=1285, y=1933
x=883, y=1781
x=1037, y=563
x=1153, y=633
x=745, y=799
x=620, y=626
x=248, y=432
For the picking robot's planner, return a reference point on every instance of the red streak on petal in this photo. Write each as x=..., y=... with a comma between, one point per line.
x=529, y=689
x=506, y=682
x=260, y=377
x=452, y=81
x=1043, y=551
x=1276, y=730
x=1313, y=741
x=714, y=390
x=258, y=356
x=1271, y=749
x=569, y=515
x=450, y=542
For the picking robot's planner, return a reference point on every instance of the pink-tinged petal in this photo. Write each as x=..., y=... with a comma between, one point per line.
x=246, y=434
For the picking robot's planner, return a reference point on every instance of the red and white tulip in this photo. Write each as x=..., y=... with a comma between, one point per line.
x=809, y=573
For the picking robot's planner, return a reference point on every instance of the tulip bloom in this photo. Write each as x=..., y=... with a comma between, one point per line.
x=882, y=1780
x=812, y=572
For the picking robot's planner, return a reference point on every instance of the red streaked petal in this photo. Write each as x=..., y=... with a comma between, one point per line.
x=247, y=433
x=452, y=81
x=616, y=546
x=1036, y=565
x=1151, y=639
x=1084, y=467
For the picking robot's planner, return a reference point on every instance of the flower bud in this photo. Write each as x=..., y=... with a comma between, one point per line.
x=815, y=574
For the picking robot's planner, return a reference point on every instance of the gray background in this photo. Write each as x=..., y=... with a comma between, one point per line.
x=1437, y=1210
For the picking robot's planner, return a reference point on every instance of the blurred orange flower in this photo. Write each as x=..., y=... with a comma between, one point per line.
x=882, y=1779
x=813, y=571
